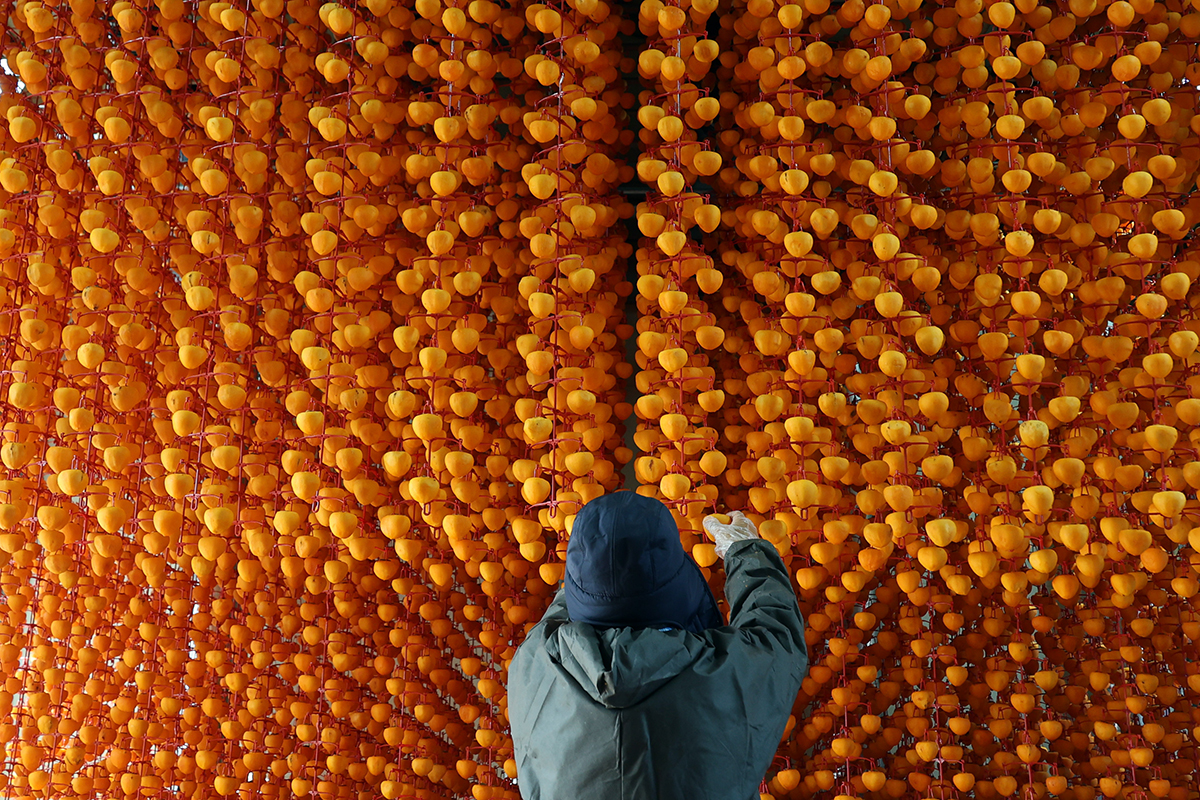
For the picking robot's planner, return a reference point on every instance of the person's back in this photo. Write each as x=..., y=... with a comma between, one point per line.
x=627, y=696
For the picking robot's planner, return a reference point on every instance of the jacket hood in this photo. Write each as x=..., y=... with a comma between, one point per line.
x=621, y=667
x=625, y=567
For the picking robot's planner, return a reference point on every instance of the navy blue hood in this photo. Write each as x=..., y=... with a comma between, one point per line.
x=627, y=569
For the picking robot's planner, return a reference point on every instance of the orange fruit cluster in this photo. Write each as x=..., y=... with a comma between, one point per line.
x=947, y=364
x=314, y=326
x=313, y=343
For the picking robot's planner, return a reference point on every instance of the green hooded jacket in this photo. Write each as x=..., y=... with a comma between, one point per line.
x=647, y=714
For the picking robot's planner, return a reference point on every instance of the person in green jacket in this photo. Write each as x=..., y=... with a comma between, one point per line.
x=632, y=687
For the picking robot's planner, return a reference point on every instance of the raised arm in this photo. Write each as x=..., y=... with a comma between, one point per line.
x=762, y=602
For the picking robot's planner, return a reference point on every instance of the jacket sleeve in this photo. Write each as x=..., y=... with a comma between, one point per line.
x=752, y=668
x=762, y=603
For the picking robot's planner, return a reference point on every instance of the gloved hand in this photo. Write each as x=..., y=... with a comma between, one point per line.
x=724, y=534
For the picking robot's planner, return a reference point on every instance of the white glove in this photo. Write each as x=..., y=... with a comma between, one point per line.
x=724, y=534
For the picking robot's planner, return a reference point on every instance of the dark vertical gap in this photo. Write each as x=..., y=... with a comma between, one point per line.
x=628, y=475
x=633, y=191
